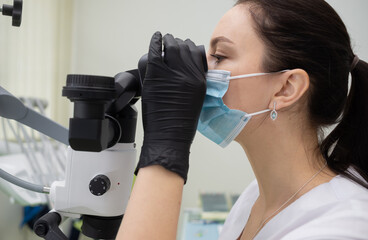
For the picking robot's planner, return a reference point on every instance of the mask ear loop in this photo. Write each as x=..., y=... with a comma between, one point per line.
x=273, y=114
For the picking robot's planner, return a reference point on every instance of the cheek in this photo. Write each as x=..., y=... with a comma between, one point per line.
x=236, y=95
x=246, y=95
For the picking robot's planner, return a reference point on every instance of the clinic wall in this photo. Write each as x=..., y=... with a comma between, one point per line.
x=107, y=42
x=35, y=57
x=354, y=15
x=107, y=37
x=34, y=60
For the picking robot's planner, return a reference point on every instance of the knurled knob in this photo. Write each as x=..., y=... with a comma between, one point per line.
x=99, y=185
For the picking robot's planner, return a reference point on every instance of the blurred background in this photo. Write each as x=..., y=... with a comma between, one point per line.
x=107, y=37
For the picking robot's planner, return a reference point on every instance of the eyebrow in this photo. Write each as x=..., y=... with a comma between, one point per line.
x=220, y=39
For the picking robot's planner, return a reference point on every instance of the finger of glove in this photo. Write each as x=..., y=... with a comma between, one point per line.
x=196, y=54
x=155, y=48
x=185, y=55
x=171, y=49
x=184, y=52
x=178, y=40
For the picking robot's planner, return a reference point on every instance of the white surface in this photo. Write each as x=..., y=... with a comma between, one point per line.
x=334, y=210
x=110, y=36
x=73, y=194
x=18, y=165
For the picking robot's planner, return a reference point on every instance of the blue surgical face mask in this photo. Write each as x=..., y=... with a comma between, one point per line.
x=217, y=122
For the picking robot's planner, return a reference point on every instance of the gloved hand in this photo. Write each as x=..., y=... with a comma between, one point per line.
x=172, y=97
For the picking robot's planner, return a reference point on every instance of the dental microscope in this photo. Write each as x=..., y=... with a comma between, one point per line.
x=101, y=156
x=100, y=159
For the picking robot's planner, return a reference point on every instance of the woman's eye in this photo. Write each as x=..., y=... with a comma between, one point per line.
x=218, y=57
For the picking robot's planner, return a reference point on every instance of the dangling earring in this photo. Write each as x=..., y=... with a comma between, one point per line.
x=273, y=114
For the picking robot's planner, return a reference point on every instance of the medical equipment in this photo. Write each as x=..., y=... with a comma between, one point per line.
x=217, y=122
x=30, y=156
x=101, y=158
x=14, y=11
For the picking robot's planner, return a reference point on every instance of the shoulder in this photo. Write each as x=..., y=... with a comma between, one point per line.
x=345, y=189
x=347, y=220
x=339, y=193
x=342, y=213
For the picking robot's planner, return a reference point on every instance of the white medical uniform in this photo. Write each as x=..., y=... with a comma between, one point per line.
x=336, y=210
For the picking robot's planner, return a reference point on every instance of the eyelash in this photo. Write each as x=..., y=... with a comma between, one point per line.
x=218, y=57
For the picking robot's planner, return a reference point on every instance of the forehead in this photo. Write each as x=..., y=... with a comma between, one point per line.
x=236, y=25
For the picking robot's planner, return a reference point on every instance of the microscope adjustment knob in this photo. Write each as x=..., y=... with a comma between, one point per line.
x=14, y=11
x=99, y=185
x=89, y=88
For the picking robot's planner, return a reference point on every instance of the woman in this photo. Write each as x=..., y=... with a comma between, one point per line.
x=307, y=186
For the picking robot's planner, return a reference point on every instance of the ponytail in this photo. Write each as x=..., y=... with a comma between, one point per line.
x=351, y=134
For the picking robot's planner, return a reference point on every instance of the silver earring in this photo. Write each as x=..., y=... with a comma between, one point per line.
x=273, y=114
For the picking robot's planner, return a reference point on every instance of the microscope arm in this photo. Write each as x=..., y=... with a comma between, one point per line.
x=12, y=108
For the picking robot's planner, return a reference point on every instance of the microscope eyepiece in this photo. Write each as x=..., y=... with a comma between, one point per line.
x=89, y=129
x=88, y=87
x=103, y=115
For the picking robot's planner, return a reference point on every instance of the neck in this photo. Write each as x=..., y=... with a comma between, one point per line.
x=283, y=160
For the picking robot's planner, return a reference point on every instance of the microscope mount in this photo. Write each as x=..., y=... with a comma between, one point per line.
x=14, y=11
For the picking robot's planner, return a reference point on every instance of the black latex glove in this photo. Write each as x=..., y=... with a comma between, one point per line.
x=172, y=97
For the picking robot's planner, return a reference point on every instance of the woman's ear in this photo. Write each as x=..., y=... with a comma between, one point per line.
x=294, y=83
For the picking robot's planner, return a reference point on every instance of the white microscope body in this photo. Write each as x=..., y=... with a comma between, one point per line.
x=100, y=159
x=96, y=184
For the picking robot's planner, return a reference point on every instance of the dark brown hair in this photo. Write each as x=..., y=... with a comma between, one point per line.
x=310, y=35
